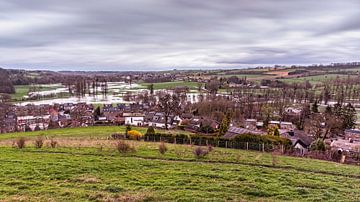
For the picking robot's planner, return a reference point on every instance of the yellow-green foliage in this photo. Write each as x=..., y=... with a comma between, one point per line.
x=273, y=130
x=135, y=135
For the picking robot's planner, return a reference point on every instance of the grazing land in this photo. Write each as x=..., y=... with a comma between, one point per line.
x=86, y=166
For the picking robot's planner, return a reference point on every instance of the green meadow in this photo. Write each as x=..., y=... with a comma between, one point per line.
x=85, y=166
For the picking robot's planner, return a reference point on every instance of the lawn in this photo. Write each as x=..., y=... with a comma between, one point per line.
x=86, y=167
x=171, y=85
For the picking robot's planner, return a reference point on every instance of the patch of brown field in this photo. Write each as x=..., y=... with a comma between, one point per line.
x=87, y=179
x=280, y=73
x=24, y=198
x=73, y=142
x=129, y=197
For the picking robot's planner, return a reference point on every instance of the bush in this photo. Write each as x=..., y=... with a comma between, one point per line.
x=150, y=131
x=318, y=145
x=199, y=152
x=128, y=128
x=162, y=148
x=20, y=143
x=124, y=147
x=135, y=135
x=210, y=148
x=53, y=143
x=39, y=142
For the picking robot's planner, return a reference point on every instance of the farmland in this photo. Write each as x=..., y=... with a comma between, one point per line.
x=86, y=166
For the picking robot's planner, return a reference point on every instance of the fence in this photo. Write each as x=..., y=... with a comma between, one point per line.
x=264, y=147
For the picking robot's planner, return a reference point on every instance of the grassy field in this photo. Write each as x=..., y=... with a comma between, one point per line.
x=315, y=79
x=22, y=90
x=96, y=131
x=86, y=167
x=174, y=84
x=242, y=75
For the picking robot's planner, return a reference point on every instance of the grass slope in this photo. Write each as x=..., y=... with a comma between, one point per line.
x=87, y=167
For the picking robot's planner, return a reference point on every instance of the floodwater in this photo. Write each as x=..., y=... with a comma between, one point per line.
x=116, y=92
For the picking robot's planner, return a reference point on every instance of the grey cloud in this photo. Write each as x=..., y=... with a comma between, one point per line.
x=162, y=34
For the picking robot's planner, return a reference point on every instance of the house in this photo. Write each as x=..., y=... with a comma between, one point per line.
x=345, y=145
x=293, y=111
x=235, y=131
x=282, y=125
x=299, y=139
x=111, y=113
x=10, y=123
x=135, y=119
x=251, y=124
x=158, y=120
x=286, y=125
x=353, y=134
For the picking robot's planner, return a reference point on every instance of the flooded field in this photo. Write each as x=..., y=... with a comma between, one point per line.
x=116, y=93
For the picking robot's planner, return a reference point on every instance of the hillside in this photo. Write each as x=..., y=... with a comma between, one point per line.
x=5, y=84
x=86, y=166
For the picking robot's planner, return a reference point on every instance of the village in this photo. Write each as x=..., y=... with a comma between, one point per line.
x=45, y=117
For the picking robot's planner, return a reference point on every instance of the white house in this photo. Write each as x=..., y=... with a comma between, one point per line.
x=134, y=119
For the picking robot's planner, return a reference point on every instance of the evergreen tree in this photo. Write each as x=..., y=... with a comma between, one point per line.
x=150, y=131
x=128, y=128
x=328, y=110
x=348, y=116
x=315, y=107
x=225, y=123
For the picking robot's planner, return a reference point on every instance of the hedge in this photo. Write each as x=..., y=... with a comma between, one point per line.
x=245, y=141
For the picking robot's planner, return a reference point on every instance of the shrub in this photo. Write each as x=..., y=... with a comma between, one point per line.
x=124, y=147
x=162, y=148
x=210, y=148
x=39, y=142
x=318, y=145
x=199, y=152
x=128, y=128
x=336, y=155
x=150, y=131
x=53, y=143
x=20, y=143
x=135, y=135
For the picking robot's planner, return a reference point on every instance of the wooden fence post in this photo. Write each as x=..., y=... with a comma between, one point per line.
x=226, y=144
x=247, y=146
x=263, y=147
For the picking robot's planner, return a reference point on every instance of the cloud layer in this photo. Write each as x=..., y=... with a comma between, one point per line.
x=183, y=34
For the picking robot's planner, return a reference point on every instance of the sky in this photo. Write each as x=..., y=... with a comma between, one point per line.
x=124, y=35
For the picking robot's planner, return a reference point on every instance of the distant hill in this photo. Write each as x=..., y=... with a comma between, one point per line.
x=6, y=85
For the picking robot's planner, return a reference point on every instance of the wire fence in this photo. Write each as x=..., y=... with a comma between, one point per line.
x=263, y=147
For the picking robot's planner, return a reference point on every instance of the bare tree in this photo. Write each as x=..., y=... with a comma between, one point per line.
x=168, y=105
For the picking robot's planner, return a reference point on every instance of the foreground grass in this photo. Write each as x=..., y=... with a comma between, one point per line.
x=81, y=173
x=87, y=167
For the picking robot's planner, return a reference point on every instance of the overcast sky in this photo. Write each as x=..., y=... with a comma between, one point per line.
x=182, y=34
